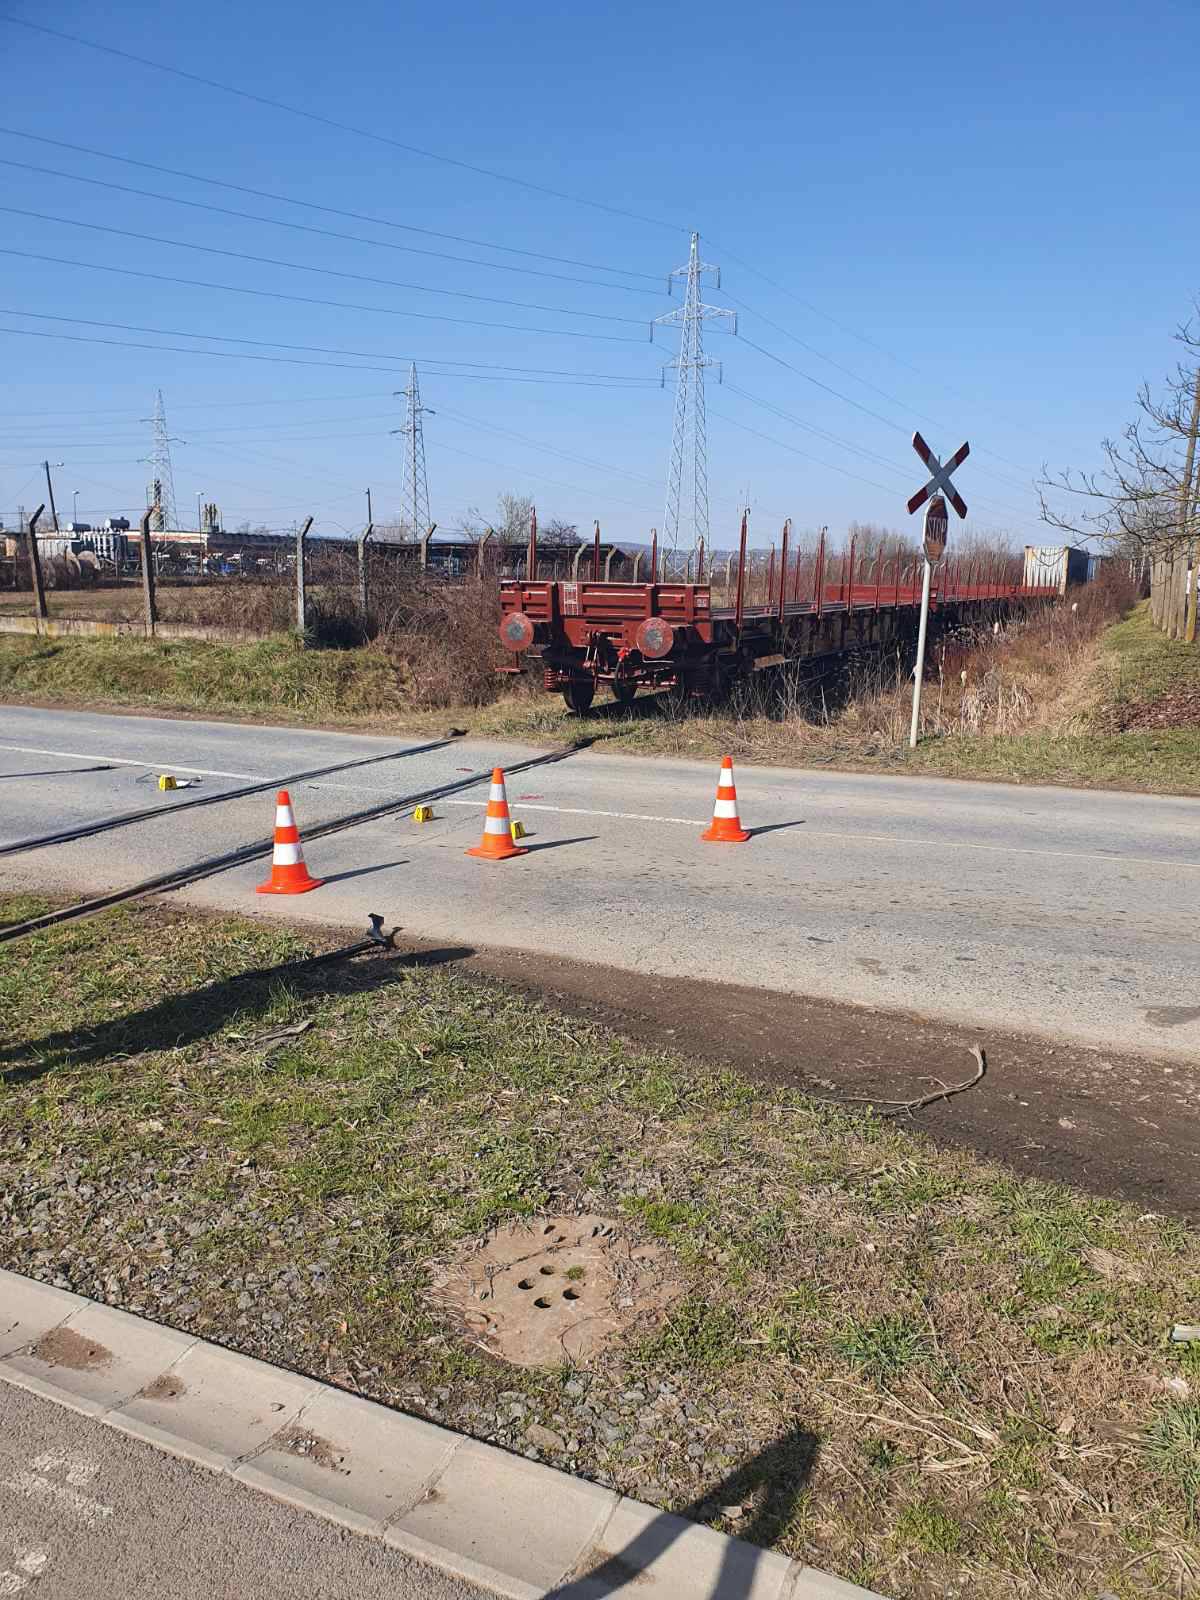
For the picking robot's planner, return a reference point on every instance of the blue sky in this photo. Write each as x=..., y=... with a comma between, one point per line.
x=973, y=220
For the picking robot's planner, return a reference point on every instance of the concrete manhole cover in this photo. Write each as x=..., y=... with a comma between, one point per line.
x=556, y=1287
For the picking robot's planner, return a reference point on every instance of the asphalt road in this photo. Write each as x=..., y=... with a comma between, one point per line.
x=87, y=1513
x=1067, y=913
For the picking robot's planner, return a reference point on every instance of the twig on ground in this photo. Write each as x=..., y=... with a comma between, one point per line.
x=900, y=1108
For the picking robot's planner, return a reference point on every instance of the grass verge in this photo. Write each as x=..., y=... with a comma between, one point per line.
x=1044, y=703
x=897, y=1362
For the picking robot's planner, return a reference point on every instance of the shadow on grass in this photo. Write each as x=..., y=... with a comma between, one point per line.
x=775, y=1479
x=179, y=1020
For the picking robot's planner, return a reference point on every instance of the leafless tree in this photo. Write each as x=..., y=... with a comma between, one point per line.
x=1145, y=502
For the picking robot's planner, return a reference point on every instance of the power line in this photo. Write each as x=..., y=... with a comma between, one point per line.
x=175, y=349
x=883, y=393
x=312, y=300
x=341, y=127
x=325, y=233
x=325, y=272
x=331, y=211
x=863, y=339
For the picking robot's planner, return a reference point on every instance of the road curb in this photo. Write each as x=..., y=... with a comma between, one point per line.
x=515, y=1526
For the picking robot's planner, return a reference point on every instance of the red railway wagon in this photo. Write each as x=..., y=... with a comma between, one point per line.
x=671, y=634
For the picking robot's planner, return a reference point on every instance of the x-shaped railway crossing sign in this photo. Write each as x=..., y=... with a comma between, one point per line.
x=939, y=483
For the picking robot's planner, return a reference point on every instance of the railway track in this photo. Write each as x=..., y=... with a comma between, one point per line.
x=207, y=868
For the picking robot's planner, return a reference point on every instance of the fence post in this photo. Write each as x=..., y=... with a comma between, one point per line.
x=362, y=570
x=301, y=587
x=479, y=553
x=35, y=567
x=576, y=559
x=148, y=576
x=608, y=561
x=427, y=536
x=637, y=566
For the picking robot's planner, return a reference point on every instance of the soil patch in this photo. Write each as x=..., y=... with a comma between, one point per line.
x=62, y=1347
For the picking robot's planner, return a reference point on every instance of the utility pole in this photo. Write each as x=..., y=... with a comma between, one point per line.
x=148, y=597
x=35, y=566
x=689, y=435
x=415, y=502
x=1188, y=499
x=50, y=490
x=301, y=585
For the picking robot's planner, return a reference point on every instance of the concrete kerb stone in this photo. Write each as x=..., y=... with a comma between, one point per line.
x=343, y=1449
x=659, y=1556
x=520, y=1528
x=505, y=1522
x=227, y=1408
x=29, y=1309
x=97, y=1356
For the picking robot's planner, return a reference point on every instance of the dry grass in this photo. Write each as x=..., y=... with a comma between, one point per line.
x=899, y=1362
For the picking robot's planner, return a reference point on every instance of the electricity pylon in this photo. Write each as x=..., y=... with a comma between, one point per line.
x=688, y=440
x=160, y=492
x=415, y=501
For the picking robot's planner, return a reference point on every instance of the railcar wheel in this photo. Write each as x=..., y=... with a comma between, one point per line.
x=579, y=694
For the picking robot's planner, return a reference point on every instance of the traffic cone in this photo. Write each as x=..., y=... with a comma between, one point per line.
x=289, y=875
x=726, y=826
x=497, y=844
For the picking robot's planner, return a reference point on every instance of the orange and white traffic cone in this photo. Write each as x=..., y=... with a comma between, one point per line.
x=289, y=875
x=497, y=843
x=726, y=826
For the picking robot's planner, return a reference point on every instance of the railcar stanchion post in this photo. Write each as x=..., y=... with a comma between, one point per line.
x=148, y=576
x=35, y=566
x=819, y=575
x=783, y=566
x=936, y=529
x=741, y=581
x=531, y=554
x=596, y=553
x=700, y=560
x=653, y=555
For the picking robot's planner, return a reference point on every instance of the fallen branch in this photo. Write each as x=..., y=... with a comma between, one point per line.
x=900, y=1108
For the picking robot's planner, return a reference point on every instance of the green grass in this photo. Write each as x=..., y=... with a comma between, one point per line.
x=897, y=1358
x=272, y=676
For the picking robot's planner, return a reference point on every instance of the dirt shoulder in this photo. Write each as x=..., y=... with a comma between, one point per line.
x=1112, y=1125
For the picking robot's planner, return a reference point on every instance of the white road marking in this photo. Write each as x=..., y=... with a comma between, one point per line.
x=77, y=1469
x=583, y=811
x=122, y=761
x=639, y=816
x=30, y=1564
x=858, y=838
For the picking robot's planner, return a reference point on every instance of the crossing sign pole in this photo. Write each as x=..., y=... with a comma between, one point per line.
x=936, y=530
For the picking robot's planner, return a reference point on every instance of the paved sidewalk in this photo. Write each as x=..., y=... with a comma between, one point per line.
x=517, y=1527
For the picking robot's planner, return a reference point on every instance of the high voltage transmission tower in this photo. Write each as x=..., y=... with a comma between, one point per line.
x=688, y=440
x=415, y=503
x=160, y=492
